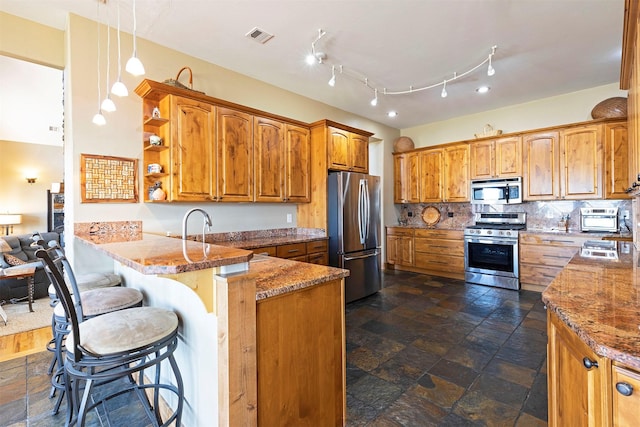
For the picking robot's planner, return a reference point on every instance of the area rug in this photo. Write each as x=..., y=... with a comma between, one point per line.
x=19, y=319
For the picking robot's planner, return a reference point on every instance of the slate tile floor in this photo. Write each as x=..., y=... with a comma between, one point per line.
x=428, y=351
x=424, y=351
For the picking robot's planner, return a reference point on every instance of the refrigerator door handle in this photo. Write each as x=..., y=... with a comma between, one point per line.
x=368, y=210
x=362, y=210
x=376, y=253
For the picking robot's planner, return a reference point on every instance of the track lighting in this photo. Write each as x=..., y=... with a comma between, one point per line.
x=118, y=88
x=332, y=80
x=319, y=58
x=134, y=65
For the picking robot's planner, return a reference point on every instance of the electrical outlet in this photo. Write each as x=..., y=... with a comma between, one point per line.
x=289, y=218
x=409, y=214
x=625, y=214
x=450, y=214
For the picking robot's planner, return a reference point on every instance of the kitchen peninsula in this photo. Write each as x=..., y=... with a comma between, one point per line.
x=242, y=314
x=594, y=342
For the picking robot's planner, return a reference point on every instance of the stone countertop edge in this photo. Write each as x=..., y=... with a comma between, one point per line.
x=277, y=276
x=268, y=241
x=599, y=300
x=153, y=254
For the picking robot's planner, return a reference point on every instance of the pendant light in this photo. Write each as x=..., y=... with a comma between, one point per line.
x=99, y=119
x=107, y=104
x=134, y=65
x=118, y=88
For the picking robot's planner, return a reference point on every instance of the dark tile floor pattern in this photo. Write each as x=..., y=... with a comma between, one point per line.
x=425, y=351
x=428, y=351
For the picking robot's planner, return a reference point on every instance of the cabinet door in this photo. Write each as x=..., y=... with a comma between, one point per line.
x=268, y=144
x=359, y=153
x=456, y=177
x=508, y=157
x=338, y=149
x=616, y=164
x=577, y=394
x=581, y=163
x=482, y=160
x=541, y=166
x=235, y=155
x=392, y=249
x=626, y=397
x=430, y=175
x=297, y=182
x=192, y=147
x=406, y=178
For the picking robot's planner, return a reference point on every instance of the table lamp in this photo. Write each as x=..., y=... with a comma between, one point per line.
x=8, y=221
x=4, y=246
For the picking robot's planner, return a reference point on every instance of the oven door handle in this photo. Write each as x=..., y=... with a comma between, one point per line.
x=492, y=241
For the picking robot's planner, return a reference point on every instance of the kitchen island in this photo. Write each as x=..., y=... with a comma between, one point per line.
x=594, y=342
x=242, y=314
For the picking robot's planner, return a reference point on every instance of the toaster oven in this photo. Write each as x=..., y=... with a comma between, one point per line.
x=604, y=220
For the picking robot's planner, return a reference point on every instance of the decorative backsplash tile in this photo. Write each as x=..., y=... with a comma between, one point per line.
x=540, y=215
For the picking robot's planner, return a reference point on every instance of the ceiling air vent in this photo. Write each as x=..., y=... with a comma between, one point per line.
x=259, y=35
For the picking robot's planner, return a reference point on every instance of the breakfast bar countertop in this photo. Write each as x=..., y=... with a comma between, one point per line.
x=599, y=299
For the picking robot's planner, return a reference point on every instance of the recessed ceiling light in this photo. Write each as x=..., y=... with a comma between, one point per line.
x=483, y=89
x=392, y=114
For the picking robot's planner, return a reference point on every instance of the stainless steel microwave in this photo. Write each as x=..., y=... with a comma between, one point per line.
x=499, y=191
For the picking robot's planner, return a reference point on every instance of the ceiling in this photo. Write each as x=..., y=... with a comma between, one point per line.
x=544, y=47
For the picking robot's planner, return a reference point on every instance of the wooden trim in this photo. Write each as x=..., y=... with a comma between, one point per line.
x=630, y=28
x=330, y=123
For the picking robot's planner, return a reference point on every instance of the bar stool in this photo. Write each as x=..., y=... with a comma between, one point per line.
x=90, y=303
x=115, y=346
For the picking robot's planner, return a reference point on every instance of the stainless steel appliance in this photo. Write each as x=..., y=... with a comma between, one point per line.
x=607, y=249
x=354, y=231
x=599, y=219
x=491, y=249
x=499, y=191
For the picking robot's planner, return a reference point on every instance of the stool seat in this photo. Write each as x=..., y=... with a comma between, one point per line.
x=91, y=281
x=125, y=330
x=100, y=301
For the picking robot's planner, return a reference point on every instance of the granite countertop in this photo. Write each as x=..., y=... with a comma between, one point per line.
x=153, y=254
x=261, y=242
x=276, y=276
x=571, y=232
x=599, y=299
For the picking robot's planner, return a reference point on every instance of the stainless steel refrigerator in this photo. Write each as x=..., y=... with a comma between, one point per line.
x=354, y=231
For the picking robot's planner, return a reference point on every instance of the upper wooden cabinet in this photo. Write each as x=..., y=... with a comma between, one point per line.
x=456, y=173
x=541, y=166
x=406, y=181
x=431, y=176
x=235, y=155
x=499, y=158
x=617, y=165
x=214, y=150
x=348, y=150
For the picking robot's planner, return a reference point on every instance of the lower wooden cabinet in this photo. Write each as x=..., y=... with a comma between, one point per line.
x=440, y=252
x=625, y=387
x=300, y=356
x=544, y=255
x=314, y=252
x=400, y=246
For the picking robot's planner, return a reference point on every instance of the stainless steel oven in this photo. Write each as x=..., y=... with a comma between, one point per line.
x=491, y=250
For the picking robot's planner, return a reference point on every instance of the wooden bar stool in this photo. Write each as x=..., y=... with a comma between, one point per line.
x=116, y=346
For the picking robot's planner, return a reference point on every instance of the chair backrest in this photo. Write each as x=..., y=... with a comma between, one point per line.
x=53, y=259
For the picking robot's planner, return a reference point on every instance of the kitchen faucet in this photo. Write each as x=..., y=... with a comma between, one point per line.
x=207, y=222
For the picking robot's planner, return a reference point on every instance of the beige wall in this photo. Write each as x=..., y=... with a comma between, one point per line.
x=33, y=42
x=19, y=197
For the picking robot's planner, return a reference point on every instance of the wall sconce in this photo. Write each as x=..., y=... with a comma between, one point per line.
x=31, y=179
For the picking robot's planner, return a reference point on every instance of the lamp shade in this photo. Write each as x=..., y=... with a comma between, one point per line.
x=10, y=219
x=4, y=246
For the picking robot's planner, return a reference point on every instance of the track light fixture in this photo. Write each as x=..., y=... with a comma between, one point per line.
x=319, y=57
x=118, y=88
x=107, y=104
x=99, y=119
x=134, y=65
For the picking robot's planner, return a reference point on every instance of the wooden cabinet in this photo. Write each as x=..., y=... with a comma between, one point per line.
x=431, y=175
x=577, y=380
x=626, y=396
x=282, y=161
x=564, y=164
x=214, y=150
x=616, y=161
x=300, y=339
x=456, y=173
x=347, y=150
x=440, y=252
x=314, y=252
x=544, y=255
x=400, y=246
x=501, y=158
x=406, y=179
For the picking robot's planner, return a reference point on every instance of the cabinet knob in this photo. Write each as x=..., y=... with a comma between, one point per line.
x=588, y=363
x=624, y=389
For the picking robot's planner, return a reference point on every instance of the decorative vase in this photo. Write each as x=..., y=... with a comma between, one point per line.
x=158, y=194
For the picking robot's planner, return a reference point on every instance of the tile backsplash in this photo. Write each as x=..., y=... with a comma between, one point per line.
x=540, y=215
